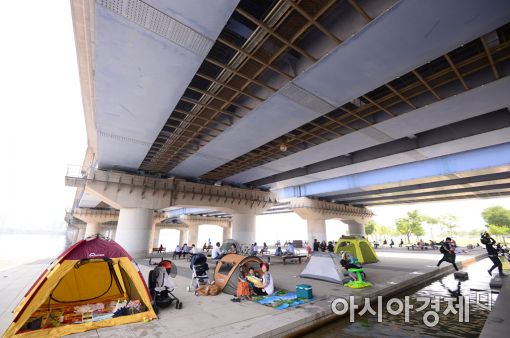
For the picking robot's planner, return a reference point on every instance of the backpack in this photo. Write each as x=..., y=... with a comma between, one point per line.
x=442, y=249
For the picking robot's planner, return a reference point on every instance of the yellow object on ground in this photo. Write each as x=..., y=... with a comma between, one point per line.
x=79, y=291
x=255, y=281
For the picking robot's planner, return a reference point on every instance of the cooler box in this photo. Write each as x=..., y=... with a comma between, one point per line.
x=304, y=291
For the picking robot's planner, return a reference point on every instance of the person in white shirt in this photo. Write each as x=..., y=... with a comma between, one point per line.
x=216, y=252
x=194, y=249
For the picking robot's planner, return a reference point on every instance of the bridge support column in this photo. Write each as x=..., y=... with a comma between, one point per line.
x=133, y=230
x=112, y=233
x=74, y=235
x=91, y=229
x=155, y=237
x=192, y=237
x=81, y=234
x=243, y=228
x=181, y=237
x=316, y=223
x=356, y=227
x=316, y=229
x=227, y=233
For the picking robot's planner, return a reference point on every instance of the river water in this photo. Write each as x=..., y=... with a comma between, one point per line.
x=476, y=289
x=22, y=248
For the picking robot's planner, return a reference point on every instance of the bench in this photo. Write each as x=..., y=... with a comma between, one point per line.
x=157, y=250
x=161, y=255
x=182, y=255
x=416, y=247
x=285, y=257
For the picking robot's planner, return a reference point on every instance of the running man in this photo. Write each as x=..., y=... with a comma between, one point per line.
x=448, y=252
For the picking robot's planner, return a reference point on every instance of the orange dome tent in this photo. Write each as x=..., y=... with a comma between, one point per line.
x=80, y=291
x=226, y=272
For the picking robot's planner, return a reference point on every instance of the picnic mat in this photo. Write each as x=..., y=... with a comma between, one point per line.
x=281, y=299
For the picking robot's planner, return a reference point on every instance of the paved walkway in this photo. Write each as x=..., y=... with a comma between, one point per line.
x=218, y=316
x=498, y=322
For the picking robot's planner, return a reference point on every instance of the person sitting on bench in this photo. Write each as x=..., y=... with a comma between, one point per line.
x=290, y=250
x=185, y=250
x=177, y=252
x=278, y=251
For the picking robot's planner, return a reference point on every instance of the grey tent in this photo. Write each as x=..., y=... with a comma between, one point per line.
x=325, y=266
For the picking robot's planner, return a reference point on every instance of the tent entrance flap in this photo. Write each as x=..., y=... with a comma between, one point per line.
x=88, y=280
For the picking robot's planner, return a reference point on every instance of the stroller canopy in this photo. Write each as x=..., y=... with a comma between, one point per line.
x=96, y=272
x=227, y=270
x=198, y=259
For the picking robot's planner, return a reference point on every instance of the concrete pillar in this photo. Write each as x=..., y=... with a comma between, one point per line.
x=316, y=229
x=316, y=223
x=112, y=233
x=76, y=232
x=81, y=234
x=227, y=233
x=155, y=240
x=133, y=230
x=356, y=228
x=92, y=229
x=243, y=228
x=105, y=231
x=192, y=234
x=181, y=237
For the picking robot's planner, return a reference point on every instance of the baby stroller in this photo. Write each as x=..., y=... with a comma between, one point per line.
x=161, y=286
x=199, y=268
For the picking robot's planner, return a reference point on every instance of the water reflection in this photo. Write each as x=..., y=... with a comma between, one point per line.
x=475, y=288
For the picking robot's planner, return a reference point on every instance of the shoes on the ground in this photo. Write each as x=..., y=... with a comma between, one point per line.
x=503, y=275
x=235, y=299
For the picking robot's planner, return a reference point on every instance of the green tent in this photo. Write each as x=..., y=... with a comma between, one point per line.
x=360, y=248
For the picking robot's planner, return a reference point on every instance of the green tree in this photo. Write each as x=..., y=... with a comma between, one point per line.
x=432, y=224
x=499, y=231
x=370, y=227
x=497, y=215
x=475, y=232
x=384, y=230
x=448, y=224
x=411, y=225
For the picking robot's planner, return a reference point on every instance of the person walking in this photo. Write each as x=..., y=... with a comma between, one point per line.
x=493, y=254
x=315, y=245
x=448, y=252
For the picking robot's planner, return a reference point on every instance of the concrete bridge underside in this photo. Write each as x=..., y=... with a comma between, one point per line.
x=243, y=106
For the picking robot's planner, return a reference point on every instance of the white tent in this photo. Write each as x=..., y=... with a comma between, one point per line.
x=325, y=266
